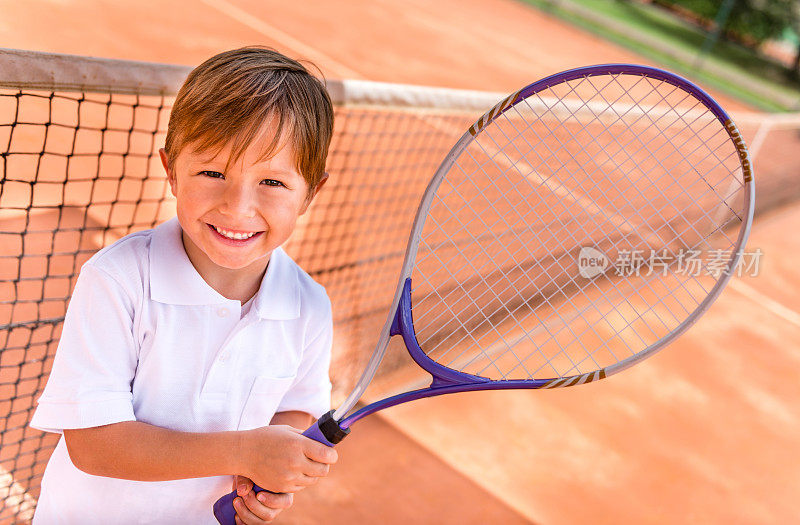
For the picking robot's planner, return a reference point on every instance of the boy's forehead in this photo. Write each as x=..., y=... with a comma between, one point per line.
x=260, y=150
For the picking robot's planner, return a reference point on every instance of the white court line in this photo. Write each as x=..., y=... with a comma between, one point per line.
x=253, y=22
x=784, y=312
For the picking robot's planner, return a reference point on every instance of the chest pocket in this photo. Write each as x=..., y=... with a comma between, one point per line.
x=264, y=398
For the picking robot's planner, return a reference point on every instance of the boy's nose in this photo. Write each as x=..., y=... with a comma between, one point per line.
x=237, y=201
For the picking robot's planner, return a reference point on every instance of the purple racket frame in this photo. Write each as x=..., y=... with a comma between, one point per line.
x=331, y=428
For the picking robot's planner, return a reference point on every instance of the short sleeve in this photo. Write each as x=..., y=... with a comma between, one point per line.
x=311, y=390
x=94, y=365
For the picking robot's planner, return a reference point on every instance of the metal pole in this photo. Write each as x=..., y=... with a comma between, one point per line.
x=712, y=38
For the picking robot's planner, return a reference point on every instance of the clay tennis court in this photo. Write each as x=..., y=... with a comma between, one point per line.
x=704, y=432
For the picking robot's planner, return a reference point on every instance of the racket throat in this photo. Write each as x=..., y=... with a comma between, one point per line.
x=403, y=325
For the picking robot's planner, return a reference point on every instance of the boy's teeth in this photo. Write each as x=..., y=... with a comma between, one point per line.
x=232, y=235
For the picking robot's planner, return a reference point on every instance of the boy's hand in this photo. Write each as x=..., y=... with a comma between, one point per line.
x=252, y=509
x=279, y=458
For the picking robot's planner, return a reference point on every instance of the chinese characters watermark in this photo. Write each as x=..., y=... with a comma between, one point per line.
x=716, y=262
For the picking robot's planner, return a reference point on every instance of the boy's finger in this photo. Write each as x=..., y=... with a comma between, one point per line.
x=243, y=485
x=253, y=511
x=299, y=484
x=276, y=501
x=258, y=508
x=302, y=482
x=316, y=469
x=320, y=453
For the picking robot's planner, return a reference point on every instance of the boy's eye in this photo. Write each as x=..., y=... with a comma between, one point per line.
x=211, y=173
x=272, y=182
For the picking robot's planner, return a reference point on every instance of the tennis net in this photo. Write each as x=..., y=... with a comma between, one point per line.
x=79, y=167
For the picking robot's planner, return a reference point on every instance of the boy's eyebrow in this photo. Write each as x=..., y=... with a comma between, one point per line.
x=261, y=167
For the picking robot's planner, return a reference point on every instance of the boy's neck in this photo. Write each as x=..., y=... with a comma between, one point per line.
x=234, y=284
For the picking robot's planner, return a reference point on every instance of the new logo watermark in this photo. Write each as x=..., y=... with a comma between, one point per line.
x=592, y=262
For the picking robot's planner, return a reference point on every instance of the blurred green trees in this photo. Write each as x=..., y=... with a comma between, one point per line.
x=749, y=22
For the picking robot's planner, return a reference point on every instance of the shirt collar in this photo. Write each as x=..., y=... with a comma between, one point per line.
x=174, y=280
x=279, y=294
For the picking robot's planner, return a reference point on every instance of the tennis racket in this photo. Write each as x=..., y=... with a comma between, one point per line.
x=578, y=227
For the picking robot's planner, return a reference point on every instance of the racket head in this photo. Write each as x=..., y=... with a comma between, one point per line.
x=589, y=163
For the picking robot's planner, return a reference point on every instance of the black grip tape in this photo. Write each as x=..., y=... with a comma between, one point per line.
x=331, y=429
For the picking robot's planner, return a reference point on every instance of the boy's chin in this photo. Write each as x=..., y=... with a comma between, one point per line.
x=241, y=264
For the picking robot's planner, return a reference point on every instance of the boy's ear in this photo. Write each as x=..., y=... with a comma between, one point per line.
x=313, y=193
x=170, y=176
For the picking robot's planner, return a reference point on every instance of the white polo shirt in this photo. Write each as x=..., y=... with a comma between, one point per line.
x=147, y=339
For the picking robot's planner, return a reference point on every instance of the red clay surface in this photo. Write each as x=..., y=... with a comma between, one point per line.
x=704, y=432
x=498, y=45
x=391, y=478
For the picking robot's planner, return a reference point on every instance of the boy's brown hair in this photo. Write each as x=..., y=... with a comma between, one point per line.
x=231, y=96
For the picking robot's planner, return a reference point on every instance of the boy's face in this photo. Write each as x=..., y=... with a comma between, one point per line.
x=234, y=218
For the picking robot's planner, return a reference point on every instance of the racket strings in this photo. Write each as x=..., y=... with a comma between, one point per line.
x=639, y=315
x=546, y=324
x=487, y=289
x=495, y=267
x=578, y=143
x=643, y=145
x=512, y=312
x=590, y=326
x=695, y=134
x=512, y=165
x=468, y=332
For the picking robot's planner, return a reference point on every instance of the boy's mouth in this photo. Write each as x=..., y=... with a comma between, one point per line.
x=233, y=235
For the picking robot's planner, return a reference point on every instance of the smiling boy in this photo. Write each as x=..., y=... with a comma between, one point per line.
x=183, y=342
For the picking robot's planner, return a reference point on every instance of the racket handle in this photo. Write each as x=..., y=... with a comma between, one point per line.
x=325, y=430
x=223, y=508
